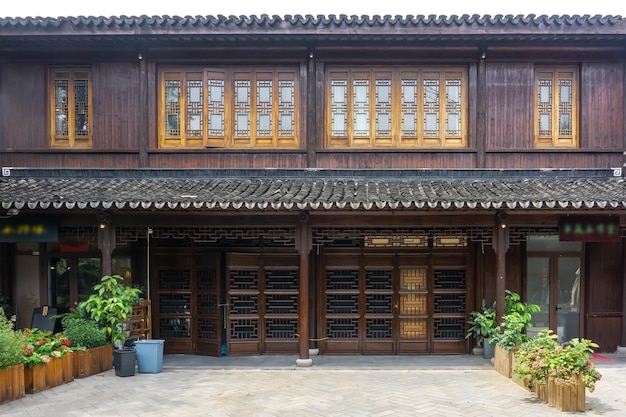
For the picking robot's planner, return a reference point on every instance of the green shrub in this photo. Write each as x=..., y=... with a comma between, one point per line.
x=11, y=343
x=83, y=333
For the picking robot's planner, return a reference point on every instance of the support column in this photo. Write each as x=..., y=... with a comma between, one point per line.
x=500, y=246
x=106, y=244
x=303, y=239
x=143, y=141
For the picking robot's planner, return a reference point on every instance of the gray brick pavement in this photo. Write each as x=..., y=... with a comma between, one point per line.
x=317, y=391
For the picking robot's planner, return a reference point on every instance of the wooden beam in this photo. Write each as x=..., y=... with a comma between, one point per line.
x=311, y=112
x=500, y=246
x=106, y=244
x=304, y=241
x=144, y=142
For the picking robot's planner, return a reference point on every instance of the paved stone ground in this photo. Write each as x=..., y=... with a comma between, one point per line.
x=316, y=391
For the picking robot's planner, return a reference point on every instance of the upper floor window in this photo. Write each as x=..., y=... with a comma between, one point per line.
x=556, y=107
x=70, y=107
x=396, y=107
x=234, y=107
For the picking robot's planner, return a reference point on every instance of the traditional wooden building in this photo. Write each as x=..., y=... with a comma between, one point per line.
x=356, y=184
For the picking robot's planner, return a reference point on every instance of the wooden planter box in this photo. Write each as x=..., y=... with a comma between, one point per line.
x=54, y=373
x=12, y=383
x=503, y=361
x=34, y=379
x=571, y=398
x=92, y=361
x=67, y=363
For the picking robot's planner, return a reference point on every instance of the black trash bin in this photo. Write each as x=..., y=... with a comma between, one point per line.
x=124, y=361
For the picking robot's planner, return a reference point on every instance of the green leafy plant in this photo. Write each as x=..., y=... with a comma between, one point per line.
x=482, y=324
x=11, y=342
x=518, y=317
x=7, y=308
x=83, y=333
x=41, y=345
x=543, y=357
x=109, y=305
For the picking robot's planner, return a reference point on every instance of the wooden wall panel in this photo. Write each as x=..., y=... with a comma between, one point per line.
x=71, y=160
x=605, y=331
x=561, y=159
x=602, y=106
x=385, y=160
x=227, y=160
x=116, y=106
x=510, y=105
x=23, y=107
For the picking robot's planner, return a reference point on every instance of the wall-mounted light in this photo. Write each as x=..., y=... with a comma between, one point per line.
x=502, y=218
x=310, y=55
x=483, y=55
x=103, y=226
x=140, y=57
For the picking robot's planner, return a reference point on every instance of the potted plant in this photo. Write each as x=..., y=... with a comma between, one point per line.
x=42, y=357
x=558, y=374
x=92, y=353
x=11, y=357
x=108, y=306
x=511, y=332
x=483, y=327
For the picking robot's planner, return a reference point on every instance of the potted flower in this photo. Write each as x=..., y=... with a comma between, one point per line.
x=92, y=352
x=483, y=327
x=558, y=374
x=108, y=306
x=43, y=353
x=511, y=333
x=11, y=357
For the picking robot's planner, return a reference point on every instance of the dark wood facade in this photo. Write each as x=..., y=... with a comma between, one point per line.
x=499, y=114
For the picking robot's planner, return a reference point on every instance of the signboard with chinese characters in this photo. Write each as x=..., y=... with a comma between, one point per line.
x=589, y=229
x=29, y=229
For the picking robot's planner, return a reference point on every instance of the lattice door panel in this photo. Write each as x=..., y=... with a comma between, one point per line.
x=413, y=295
x=378, y=292
x=208, y=320
x=449, y=307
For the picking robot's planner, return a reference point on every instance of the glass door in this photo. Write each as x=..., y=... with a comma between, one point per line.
x=553, y=281
x=70, y=280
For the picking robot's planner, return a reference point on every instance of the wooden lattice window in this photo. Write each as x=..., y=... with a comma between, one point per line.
x=229, y=108
x=556, y=107
x=396, y=107
x=70, y=108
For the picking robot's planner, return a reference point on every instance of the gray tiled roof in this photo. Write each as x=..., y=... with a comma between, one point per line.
x=309, y=190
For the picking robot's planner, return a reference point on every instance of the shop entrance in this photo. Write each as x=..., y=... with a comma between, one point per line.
x=393, y=303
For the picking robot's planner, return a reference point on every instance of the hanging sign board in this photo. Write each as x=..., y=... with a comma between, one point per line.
x=589, y=229
x=29, y=229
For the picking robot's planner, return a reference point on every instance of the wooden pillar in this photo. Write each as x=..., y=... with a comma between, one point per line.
x=303, y=240
x=481, y=111
x=311, y=111
x=106, y=244
x=500, y=246
x=143, y=112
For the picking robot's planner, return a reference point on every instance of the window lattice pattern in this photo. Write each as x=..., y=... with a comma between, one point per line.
x=207, y=304
x=380, y=328
x=379, y=303
x=174, y=304
x=413, y=279
x=81, y=107
x=246, y=280
x=360, y=107
x=378, y=280
x=244, y=304
x=442, y=241
x=339, y=107
x=172, y=108
x=264, y=108
x=281, y=328
x=450, y=279
x=431, y=107
x=194, y=107
x=78, y=234
x=342, y=303
x=395, y=241
x=383, y=108
x=413, y=329
x=342, y=279
x=61, y=111
x=449, y=328
x=242, y=108
x=286, y=108
x=453, y=108
x=342, y=328
x=409, y=108
x=207, y=329
x=413, y=304
x=244, y=329
x=281, y=303
x=207, y=280
x=215, y=107
x=281, y=279
x=174, y=328
x=565, y=107
x=174, y=279
x=544, y=104
x=450, y=303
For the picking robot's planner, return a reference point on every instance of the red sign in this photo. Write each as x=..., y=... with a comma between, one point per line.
x=589, y=229
x=74, y=247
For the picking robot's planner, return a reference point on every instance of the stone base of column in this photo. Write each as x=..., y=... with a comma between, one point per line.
x=314, y=352
x=304, y=362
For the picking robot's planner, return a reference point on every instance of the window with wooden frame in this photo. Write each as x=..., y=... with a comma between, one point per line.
x=420, y=107
x=229, y=108
x=556, y=107
x=70, y=107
